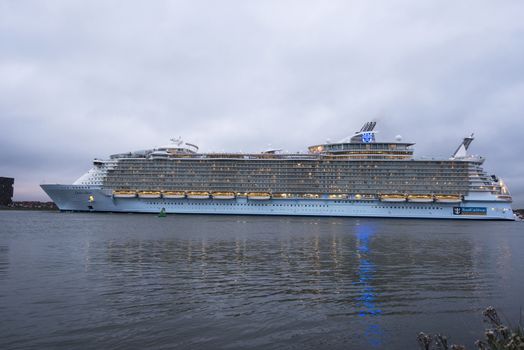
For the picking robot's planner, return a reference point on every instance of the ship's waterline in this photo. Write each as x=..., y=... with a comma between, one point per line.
x=354, y=177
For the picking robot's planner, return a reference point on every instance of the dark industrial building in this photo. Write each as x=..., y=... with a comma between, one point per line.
x=6, y=190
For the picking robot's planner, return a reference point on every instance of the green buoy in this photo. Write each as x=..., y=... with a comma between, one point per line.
x=162, y=213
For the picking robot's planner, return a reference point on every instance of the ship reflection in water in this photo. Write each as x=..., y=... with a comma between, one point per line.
x=250, y=282
x=307, y=269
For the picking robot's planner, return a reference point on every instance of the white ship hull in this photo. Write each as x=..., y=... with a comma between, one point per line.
x=77, y=198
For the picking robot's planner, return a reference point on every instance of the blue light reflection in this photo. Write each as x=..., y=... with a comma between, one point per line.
x=367, y=300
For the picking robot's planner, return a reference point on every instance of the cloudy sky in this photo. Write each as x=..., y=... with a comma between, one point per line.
x=85, y=79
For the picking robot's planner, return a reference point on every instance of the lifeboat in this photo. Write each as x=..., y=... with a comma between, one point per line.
x=420, y=198
x=174, y=194
x=448, y=198
x=504, y=197
x=198, y=195
x=393, y=198
x=149, y=194
x=124, y=194
x=259, y=195
x=223, y=195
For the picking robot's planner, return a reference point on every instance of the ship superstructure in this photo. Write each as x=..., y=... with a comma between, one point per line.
x=357, y=176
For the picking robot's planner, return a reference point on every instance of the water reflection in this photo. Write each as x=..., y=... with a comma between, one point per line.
x=4, y=260
x=367, y=300
x=217, y=282
x=354, y=275
x=333, y=264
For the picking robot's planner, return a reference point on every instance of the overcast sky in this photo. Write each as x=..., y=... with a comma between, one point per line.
x=85, y=79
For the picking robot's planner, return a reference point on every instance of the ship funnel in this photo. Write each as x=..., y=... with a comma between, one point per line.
x=366, y=134
x=369, y=126
x=462, y=149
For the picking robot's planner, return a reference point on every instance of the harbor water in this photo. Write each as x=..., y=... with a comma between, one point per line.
x=133, y=281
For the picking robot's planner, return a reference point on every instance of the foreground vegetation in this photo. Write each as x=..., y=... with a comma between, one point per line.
x=497, y=337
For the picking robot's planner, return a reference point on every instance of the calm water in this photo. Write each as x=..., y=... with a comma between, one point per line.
x=232, y=282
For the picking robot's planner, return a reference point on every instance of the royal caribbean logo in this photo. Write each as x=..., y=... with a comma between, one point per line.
x=469, y=211
x=367, y=137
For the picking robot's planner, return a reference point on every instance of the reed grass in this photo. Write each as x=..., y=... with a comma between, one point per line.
x=497, y=337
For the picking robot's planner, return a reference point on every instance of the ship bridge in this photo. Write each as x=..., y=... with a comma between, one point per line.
x=363, y=145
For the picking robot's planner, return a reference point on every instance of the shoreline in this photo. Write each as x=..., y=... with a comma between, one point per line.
x=31, y=205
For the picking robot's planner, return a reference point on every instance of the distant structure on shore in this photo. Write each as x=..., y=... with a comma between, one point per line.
x=6, y=190
x=33, y=205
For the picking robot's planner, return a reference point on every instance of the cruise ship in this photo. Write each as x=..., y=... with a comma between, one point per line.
x=355, y=177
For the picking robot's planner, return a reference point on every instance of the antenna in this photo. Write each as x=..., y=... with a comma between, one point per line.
x=178, y=141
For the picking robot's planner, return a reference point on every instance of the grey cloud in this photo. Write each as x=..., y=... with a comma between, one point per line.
x=83, y=80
